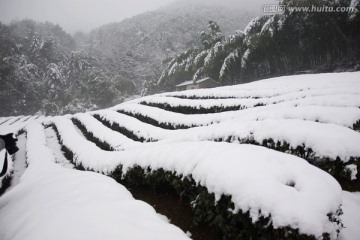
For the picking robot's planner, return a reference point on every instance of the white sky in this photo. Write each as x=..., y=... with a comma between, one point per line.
x=84, y=15
x=74, y=15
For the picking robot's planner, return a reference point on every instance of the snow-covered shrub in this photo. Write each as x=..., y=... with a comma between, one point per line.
x=192, y=110
x=218, y=214
x=168, y=165
x=90, y=136
x=154, y=122
x=114, y=126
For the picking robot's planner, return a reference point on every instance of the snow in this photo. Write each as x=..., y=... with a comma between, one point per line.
x=60, y=203
x=303, y=109
x=317, y=111
x=251, y=25
x=295, y=132
x=15, y=124
x=142, y=130
x=324, y=83
x=351, y=216
x=201, y=56
x=54, y=145
x=353, y=170
x=268, y=26
x=116, y=140
x=185, y=83
x=193, y=82
x=308, y=126
x=231, y=57
x=344, y=116
x=244, y=58
x=254, y=176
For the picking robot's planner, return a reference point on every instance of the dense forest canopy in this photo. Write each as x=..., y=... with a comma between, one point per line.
x=272, y=45
x=44, y=70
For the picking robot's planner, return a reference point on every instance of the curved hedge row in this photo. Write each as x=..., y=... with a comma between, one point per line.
x=193, y=110
x=206, y=210
x=122, y=130
x=68, y=154
x=201, y=97
x=90, y=136
x=334, y=167
x=154, y=122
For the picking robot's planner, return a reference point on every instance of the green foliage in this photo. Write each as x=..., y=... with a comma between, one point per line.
x=192, y=110
x=282, y=44
x=120, y=129
x=335, y=167
x=356, y=126
x=68, y=154
x=91, y=137
x=153, y=122
x=218, y=215
x=209, y=39
x=41, y=73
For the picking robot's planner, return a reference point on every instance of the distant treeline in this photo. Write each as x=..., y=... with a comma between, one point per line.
x=44, y=70
x=273, y=45
x=42, y=73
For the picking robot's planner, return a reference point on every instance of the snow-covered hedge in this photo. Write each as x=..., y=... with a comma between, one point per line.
x=262, y=183
x=306, y=139
x=343, y=116
x=52, y=202
x=315, y=84
x=316, y=117
x=105, y=138
x=193, y=110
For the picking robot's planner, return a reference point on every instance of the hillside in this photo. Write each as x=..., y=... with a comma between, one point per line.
x=142, y=45
x=272, y=45
x=44, y=70
x=275, y=158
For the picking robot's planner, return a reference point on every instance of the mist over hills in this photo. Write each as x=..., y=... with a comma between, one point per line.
x=143, y=44
x=44, y=70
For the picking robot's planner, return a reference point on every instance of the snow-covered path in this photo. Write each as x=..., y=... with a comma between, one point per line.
x=53, y=202
x=53, y=143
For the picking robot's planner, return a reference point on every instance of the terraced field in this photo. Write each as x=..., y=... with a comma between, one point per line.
x=269, y=159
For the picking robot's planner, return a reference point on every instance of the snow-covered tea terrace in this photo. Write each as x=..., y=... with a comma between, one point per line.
x=276, y=159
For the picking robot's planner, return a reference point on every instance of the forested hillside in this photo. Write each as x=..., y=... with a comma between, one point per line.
x=41, y=71
x=273, y=45
x=142, y=46
x=44, y=70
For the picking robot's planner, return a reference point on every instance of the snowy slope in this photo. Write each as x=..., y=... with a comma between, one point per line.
x=314, y=117
x=60, y=203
